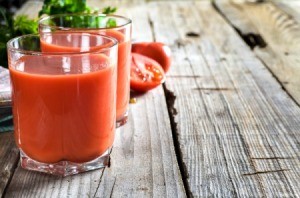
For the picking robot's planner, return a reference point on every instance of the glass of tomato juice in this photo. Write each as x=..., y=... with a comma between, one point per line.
x=114, y=26
x=64, y=103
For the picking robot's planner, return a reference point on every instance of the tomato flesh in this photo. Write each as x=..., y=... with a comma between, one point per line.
x=145, y=73
x=159, y=52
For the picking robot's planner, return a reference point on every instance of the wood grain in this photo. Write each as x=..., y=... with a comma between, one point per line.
x=9, y=157
x=143, y=160
x=279, y=30
x=238, y=129
x=290, y=7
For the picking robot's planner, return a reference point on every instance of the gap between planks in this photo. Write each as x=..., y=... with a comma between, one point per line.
x=170, y=99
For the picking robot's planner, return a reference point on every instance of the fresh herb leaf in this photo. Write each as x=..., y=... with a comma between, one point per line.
x=111, y=23
x=109, y=10
x=24, y=25
x=51, y=7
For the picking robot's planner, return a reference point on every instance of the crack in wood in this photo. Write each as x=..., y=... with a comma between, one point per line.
x=251, y=39
x=172, y=111
x=265, y=172
x=184, y=76
x=181, y=42
x=272, y=158
x=279, y=82
x=170, y=100
x=254, y=1
x=112, y=189
x=99, y=183
x=214, y=88
x=170, y=97
x=151, y=27
x=282, y=175
x=192, y=34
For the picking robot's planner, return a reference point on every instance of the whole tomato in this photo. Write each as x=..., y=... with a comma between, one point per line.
x=159, y=52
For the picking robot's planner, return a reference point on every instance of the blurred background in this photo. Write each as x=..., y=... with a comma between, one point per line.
x=12, y=5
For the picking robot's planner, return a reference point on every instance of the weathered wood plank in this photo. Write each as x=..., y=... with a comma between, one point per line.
x=9, y=157
x=285, y=113
x=290, y=7
x=143, y=160
x=280, y=31
x=233, y=118
x=270, y=108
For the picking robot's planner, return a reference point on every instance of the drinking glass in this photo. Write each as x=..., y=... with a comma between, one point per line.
x=64, y=103
x=114, y=26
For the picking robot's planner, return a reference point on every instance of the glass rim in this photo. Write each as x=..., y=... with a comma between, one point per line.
x=10, y=46
x=40, y=22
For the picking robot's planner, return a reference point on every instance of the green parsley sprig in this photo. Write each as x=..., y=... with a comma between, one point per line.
x=109, y=10
x=51, y=7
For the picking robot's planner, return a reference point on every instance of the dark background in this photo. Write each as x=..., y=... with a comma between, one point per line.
x=12, y=5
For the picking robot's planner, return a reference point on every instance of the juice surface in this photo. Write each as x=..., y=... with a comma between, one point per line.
x=123, y=76
x=64, y=107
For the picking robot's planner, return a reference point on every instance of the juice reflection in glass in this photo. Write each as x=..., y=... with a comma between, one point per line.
x=64, y=103
x=114, y=26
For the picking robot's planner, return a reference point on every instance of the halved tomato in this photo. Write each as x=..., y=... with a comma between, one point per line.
x=159, y=52
x=145, y=73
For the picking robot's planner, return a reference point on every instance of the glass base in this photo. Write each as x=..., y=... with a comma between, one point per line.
x=64, y=168
x=123, y=120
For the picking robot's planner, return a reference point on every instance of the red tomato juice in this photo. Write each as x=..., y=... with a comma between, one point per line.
x=61, y=116
x=123, y=76
x=123, y=84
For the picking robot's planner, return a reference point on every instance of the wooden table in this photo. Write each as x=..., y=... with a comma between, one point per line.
x=226, y=123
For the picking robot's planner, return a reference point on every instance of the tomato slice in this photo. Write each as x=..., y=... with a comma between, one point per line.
x=159, y=52
x=145, y=73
